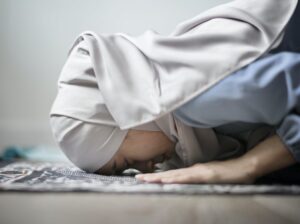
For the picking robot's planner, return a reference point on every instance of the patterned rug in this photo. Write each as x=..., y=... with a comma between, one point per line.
x=61, y=177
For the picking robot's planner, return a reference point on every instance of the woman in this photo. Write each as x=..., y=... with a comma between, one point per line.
x=86, y=121
x=266, y=92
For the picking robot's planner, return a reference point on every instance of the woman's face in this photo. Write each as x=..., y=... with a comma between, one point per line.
x=140, y=150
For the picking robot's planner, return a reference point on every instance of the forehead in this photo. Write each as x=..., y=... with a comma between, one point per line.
x=107, y=168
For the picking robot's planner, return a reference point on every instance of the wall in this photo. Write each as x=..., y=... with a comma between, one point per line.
x=35, y=37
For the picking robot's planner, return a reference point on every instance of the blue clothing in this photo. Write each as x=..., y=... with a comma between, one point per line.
x=266, y=92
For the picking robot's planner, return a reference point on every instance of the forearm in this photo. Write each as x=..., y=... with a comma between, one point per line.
x=266, y=157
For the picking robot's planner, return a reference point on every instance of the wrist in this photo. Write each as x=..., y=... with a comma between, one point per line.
x=241, y=170
x=268, y=156
x=251, y=166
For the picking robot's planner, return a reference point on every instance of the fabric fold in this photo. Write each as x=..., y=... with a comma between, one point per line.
x=151, y=75
x=111, y=83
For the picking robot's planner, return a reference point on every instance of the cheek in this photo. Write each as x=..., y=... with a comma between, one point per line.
x=145, y=146
x=142, y=151
x=145, y=153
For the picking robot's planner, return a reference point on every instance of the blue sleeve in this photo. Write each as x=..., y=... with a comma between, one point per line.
x=289, y=132
x=267, y=91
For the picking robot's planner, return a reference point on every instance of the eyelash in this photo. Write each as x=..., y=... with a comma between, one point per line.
x=114, y=168
x=126, y=164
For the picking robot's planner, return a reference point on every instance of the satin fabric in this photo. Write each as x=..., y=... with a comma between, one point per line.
x=114, y=82
x=143, y=78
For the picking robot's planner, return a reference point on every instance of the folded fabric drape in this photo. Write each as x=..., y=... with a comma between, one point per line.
x=114, y=82
x=143, y=78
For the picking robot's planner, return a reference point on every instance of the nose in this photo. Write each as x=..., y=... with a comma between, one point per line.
x=144, y=166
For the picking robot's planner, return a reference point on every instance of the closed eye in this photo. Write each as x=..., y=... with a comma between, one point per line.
x=119, y=170
x=114, y=168
x=126, y=164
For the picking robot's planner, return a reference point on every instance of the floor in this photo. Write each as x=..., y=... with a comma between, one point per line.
x=49, y=208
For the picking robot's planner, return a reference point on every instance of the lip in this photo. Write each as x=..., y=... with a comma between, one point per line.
x=168, y=155
x=152, y=165
x=158, y=159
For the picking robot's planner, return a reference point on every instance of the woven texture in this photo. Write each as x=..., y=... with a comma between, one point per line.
x=58, y=177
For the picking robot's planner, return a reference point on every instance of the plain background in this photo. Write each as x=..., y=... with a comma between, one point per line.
x=34, y=41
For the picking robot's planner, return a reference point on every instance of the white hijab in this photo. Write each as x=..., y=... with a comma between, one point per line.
x=114, y=82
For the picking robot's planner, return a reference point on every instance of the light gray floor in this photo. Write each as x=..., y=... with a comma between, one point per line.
x=84, y=208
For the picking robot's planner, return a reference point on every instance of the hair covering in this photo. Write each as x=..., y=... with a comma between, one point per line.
x=89, y=146
x=113, y=82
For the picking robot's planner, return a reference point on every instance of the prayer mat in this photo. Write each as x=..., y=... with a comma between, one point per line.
x=28, y=176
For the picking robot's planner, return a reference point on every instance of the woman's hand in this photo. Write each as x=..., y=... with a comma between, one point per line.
x=230, y=171
x=269, y=155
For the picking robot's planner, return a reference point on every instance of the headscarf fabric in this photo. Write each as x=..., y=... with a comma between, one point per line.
x=114, y=82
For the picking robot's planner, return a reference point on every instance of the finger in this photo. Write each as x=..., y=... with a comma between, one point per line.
x=164, y=174
x=154, y=178
x=175, y=180
x=185, y=175
x=167, y=175
x=183, y=179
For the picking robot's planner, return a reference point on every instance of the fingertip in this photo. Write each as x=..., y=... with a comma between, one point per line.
x=167, y=181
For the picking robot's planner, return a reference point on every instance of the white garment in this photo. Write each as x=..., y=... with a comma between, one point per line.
x=142, y=78
x=114, y=82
